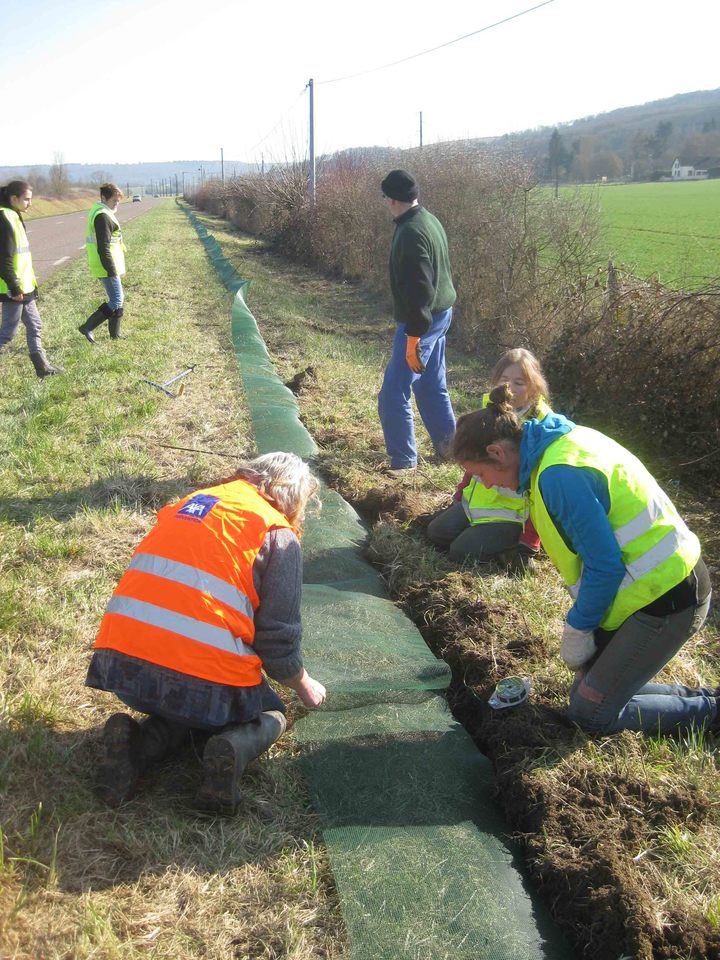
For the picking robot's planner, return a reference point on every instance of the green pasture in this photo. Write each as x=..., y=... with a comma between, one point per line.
x=666, y=230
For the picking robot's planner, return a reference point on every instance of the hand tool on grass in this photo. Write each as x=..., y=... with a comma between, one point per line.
x=164, y=386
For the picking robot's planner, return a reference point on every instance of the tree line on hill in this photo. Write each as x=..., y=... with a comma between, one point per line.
x=635, y=143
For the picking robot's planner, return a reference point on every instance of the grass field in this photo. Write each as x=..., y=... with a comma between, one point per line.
x=87, y=459
x=666, y=230
x=621, y=834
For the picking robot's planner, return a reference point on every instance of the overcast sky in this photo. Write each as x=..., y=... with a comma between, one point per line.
x=104, y=81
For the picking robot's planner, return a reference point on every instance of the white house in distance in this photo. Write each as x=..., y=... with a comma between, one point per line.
x=686, y=173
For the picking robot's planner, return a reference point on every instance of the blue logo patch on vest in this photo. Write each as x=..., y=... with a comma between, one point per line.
x=198, y=506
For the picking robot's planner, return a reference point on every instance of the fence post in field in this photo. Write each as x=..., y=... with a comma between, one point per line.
x=613, y=293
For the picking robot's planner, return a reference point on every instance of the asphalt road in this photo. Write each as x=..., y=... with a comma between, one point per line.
x=56, y=240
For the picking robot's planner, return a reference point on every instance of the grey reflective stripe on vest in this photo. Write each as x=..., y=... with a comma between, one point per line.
x=476, y=512
x=652, y=558
x=642, y=522
x=649, y=561
x=192, y=577
x=19, y=250
x=188, y=627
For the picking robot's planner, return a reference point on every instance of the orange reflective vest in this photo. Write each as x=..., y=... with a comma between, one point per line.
x=187, y=599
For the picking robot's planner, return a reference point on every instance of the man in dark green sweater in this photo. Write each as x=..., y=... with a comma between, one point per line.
x=423, y=295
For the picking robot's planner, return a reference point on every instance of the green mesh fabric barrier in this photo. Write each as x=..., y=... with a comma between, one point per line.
x=272, y=406
x=404, y=797
x=414, y=838
x=356, y=642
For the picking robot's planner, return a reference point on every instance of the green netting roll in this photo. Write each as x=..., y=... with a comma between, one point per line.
x=405, y=799
x=415, y=840
x=355, y=642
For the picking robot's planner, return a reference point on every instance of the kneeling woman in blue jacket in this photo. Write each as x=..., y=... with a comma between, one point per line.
x=632, y=566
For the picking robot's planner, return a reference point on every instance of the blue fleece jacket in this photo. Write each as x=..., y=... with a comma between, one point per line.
x=578, y=500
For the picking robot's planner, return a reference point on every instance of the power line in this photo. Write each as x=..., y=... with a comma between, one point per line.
x=414, y=56
x=285, y=114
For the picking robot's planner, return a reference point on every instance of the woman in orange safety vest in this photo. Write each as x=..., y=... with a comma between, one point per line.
x=210, y=600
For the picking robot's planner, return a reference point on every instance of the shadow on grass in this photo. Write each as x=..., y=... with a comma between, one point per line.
x=53, y=825
x=134, y=491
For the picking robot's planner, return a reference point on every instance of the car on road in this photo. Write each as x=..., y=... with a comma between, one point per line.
x=136, y=198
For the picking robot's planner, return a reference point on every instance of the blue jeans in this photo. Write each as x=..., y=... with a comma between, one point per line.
x=431, y=395
x=614, y=692
x=114, y=291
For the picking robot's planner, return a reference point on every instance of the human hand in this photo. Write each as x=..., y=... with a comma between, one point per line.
x=18, y=297
x=312, y=693
x=577, y=646
x=412, y=355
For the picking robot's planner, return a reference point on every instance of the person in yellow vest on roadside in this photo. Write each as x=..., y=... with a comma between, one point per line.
x=18, y=284
x=633, y=568
x=209, y=603
x=106, y=251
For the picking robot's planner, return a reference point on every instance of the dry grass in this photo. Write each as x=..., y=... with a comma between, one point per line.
x=90, y=457
x=620, y=833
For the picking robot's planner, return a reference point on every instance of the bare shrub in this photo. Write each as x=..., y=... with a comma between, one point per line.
x=525, y=267
x=516, y=251
x=641, y=349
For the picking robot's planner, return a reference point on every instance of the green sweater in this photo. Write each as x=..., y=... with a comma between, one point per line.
x=420, y=278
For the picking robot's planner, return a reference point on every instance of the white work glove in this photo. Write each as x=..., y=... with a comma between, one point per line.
x=577, y=646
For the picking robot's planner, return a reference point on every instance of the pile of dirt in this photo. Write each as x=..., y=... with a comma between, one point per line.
x=582, y=831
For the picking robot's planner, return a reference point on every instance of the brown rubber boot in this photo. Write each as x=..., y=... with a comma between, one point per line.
x=132, y=747
x=117, y=775
x=227, y=754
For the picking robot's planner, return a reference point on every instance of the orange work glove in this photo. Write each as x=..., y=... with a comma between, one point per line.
x=412, y=355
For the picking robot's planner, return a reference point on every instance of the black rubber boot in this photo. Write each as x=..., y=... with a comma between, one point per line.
x=132, y=747
x=114, y=325
x=228, y=753
x=160, y=738
x=102, y=314
x=118, y=774
x=42, y=367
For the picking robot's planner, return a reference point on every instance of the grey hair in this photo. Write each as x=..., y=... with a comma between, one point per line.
x=286, y=480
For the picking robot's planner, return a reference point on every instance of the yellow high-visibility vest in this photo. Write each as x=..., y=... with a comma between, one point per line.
x=494, y=504
x=21, y=261
x=657, y=547
x=117, y=246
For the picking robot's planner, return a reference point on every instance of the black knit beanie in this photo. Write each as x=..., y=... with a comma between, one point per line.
x=400, y=185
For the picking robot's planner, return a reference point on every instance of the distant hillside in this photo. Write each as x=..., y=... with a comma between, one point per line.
x=637, y=142
x=632, y=143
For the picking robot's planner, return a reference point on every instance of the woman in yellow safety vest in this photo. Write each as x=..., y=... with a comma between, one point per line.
x=106, y=251
x=483, y=522
x=210, y=600
x=633, y=568
x=18, y=285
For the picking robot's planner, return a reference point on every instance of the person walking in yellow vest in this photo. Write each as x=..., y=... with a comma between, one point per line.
x=633, y=568
x=106, y=259
x=209, y=601
x=483, y=522
x=18, y=284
